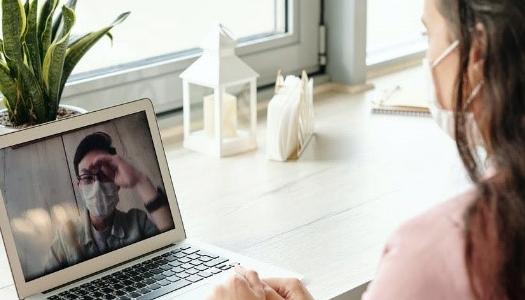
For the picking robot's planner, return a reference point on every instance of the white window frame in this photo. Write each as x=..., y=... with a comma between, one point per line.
x=158, y=79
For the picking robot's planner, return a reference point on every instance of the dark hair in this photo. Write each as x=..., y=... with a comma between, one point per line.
x=95, y=141
x=495, y=221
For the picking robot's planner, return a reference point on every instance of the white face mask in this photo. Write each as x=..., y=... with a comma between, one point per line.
x=443, y=117
x=100, y=198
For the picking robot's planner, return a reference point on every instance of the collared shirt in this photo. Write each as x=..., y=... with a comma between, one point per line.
x=74, y=242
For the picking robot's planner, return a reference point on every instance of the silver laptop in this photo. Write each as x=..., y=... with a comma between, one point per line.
x=88, y=211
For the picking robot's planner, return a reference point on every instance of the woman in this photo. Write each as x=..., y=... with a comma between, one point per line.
x=473, y=246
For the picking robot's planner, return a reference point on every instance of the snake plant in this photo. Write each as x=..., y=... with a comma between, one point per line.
x=37, y=55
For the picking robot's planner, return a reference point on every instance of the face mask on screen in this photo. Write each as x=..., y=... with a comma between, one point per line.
x=100, y=198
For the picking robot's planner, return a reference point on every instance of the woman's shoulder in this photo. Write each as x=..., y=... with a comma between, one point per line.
x=448, y=215
x=437, y=234
x=424, y=258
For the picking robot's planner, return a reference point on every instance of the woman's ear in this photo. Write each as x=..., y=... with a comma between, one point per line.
x=477, y=54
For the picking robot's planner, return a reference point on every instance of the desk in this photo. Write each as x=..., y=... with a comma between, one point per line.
x=327, y=215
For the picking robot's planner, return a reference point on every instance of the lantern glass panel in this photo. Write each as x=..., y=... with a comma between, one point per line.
x=241, y=95
x=197, y=95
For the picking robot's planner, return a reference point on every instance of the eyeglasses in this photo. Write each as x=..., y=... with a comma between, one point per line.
x=90, y=178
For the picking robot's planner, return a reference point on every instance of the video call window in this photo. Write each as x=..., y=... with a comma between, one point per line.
x=84, y=193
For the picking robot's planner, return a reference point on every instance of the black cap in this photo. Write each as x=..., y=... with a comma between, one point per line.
x=95, y=141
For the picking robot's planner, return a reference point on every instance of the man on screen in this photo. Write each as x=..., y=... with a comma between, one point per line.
x=101, y=173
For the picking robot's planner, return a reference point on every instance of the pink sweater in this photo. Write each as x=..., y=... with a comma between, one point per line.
x=424, y=259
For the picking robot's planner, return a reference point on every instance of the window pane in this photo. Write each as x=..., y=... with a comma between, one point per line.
x=394, y=29
x=161, y=27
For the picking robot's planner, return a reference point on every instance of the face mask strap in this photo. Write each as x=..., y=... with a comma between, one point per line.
x=473, y=95
x=446, y=53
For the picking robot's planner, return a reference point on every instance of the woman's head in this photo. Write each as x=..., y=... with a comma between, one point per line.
x=491, y=52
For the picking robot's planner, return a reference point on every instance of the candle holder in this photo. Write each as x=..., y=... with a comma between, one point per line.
x=232, y=95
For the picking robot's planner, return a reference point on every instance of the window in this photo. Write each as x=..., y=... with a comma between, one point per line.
x=159, y=39
x=394, y=29
x=159, y=29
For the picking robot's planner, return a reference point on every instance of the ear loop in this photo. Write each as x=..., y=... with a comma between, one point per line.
x=473, y=95
x=446, y=53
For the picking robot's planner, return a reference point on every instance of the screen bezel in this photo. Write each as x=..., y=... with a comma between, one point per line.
x=86, y=268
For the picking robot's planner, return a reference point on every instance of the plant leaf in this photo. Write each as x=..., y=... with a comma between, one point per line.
x=33, y=44
x=110, y=36
x=74, y=37
x=32, y=99
x=27, y=58
x=2, y=57
x=26, y=8
x=52, y=70
x=82, y=45
x=7, y=84
x=13, y=26
x=58, y=23
x=45, y=25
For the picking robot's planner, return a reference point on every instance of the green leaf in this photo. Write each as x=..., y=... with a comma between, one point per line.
x=81, y=46
x=26, y=7
x=7, y=84
x=8, y=106
x=2, y=57
x=32, y=40
x=45, y=25
x=54, y=60
x=58, y=23
x=27, y=58
x=74, y=38
x=33, y=99
x=110, y=36
x=13, y=26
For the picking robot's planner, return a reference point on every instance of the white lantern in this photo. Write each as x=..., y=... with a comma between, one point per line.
x=220, y=71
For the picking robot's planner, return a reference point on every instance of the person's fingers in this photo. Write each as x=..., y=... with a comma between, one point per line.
x=240, y=286
x=270, y=293
x=102, y=159
x=253, y=279
x=108, y=171
x=219, y=293
x=277, y=284
x=284, y=286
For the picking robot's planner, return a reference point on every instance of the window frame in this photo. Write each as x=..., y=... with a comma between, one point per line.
x=297, y=49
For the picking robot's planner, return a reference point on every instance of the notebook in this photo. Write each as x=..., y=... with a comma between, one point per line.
x=401, y=100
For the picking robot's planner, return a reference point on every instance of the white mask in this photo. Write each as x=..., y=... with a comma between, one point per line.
x=443, y=117
x=100, y=198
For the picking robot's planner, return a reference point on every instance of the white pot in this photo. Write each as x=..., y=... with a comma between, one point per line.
x=7, y=129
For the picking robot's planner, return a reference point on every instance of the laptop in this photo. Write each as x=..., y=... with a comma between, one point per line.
x=88, y=211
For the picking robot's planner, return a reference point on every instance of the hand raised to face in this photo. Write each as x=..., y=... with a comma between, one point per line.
x=121, y=172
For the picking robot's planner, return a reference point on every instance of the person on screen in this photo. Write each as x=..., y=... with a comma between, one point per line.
x=101, y=228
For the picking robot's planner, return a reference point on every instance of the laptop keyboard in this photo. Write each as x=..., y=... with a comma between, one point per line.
x=153, y=278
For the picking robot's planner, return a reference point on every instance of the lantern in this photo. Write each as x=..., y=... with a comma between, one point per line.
x=229, y=81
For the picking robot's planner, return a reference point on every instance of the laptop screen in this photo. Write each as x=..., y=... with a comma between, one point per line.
x=83, y=193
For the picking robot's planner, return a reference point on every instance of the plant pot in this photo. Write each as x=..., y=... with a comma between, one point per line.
x=64, y=112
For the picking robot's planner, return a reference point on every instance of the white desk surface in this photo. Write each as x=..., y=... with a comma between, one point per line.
x=327, y=215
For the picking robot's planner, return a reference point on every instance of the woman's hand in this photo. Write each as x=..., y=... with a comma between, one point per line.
x=289, y=288
x=246, y=285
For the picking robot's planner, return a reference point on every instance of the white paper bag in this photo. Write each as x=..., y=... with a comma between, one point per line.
x=290, y=115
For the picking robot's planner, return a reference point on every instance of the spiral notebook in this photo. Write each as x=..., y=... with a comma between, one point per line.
x=401, y=101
